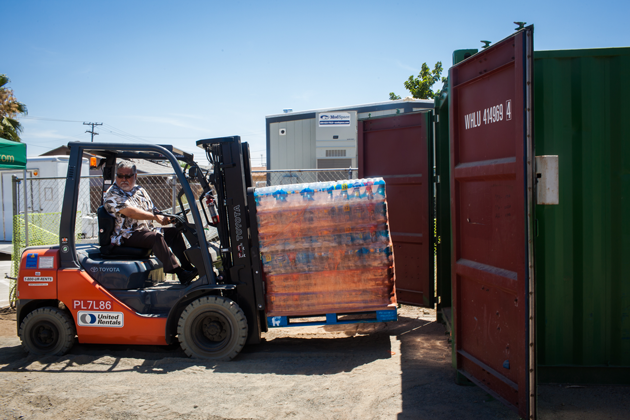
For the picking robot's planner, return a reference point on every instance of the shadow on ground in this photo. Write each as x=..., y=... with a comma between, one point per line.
x=280, y=356
x=429, y=390
x=427, y=377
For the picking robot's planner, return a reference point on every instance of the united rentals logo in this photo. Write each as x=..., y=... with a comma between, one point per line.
x=100, y=319
x=105, y=269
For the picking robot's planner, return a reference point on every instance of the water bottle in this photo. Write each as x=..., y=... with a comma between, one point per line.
x=307, y=193
x=280, y=195
x=383, y=235
x=301, y=262
x=326, y=238
x=369, y=194
x=330, y=189
x=341, y=191
x=346, y=236
x=309, y=218
x=380, y=188
x=356, y=190
x=268, y=263
x=363, y=257
x=347, y=261
x=257, y=197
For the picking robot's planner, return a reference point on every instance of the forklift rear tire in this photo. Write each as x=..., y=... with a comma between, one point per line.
x=47, y=331
x=212, y=327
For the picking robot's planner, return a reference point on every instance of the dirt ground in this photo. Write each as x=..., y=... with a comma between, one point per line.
x=398, y=370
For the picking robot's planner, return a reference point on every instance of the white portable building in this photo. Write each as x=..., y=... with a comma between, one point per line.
x=326, y=138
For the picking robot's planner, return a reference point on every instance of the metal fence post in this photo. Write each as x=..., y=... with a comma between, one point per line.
x=25, y=211
x=16, y=224
x=174, y=195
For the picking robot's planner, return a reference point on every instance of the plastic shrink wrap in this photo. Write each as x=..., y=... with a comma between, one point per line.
x=325, y=247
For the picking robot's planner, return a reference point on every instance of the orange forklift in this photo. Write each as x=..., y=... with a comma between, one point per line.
x=99, y=293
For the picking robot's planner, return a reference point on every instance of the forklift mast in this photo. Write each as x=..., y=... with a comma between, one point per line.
x=238, y=229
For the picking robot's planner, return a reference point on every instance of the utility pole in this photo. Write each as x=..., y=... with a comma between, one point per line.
x=92, y=132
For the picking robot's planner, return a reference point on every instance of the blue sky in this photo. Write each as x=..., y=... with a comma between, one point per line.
x=174, y=72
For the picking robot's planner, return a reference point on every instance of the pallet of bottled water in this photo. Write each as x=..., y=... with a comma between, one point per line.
x=325, y=247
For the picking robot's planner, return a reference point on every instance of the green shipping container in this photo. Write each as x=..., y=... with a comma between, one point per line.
x=582, y=249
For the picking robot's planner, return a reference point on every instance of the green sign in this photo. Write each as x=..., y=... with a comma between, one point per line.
x=12, y=155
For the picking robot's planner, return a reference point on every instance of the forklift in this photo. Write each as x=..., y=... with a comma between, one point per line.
x=99, y=293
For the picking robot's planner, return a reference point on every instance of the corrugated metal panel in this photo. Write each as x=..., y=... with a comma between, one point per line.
x=582, y=111
x=295, y=149
x=491, y=179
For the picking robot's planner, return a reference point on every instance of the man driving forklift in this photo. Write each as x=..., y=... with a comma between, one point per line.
x=134, y=212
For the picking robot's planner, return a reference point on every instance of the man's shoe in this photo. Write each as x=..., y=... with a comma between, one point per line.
x=185, y=277
x=192, y=269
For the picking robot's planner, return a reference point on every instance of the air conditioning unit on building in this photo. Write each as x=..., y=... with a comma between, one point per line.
x=336, y=139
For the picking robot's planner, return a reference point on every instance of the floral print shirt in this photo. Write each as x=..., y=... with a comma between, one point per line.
x=116, y=199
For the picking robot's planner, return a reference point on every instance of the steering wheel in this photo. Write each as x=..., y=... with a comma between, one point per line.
x=180, y=218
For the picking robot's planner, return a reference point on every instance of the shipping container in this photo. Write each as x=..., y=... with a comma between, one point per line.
x=583, y=242
x=581, y=193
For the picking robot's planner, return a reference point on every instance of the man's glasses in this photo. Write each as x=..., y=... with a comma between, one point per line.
x=125, y=176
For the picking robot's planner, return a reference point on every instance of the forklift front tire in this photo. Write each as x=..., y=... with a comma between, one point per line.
x=212, y=327
x=47, y=331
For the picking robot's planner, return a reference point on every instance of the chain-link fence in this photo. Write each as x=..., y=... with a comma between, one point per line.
x=38, y=202
x=300, y=176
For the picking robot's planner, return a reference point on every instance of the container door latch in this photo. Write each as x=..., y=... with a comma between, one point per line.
x=547, y=180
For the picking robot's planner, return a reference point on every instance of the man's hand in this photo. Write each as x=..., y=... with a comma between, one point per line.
x=163, y=220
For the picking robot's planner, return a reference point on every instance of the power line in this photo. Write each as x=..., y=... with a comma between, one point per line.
x=116, y=132
x=92, y=132
x=128, y=137
x=123, y=134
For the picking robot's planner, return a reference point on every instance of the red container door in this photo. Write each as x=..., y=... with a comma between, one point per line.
x=397, y=149
x=491, y=185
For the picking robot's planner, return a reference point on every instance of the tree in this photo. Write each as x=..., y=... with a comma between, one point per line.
x=10, y=108
x=420, y=86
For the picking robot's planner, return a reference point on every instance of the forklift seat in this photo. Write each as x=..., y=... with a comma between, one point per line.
x=118, y=274
x=106, y=224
